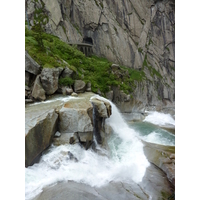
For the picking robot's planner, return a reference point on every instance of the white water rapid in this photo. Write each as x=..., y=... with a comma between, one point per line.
x=160, y=119
x=125, y=161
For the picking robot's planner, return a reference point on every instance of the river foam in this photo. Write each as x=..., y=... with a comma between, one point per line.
x=157, y=138
x=160, y=119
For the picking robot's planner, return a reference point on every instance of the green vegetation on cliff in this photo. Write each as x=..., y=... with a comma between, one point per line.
x=98, y=71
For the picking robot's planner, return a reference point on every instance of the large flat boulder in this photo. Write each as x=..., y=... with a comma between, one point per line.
x=40, y=128
x=75, y=116
x=49, y=80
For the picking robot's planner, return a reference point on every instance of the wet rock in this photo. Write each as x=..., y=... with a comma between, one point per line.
x=160, y=156
x=72, y=157
x=85, y=139
x=74, y=94
x=66, y=138
x=102, y=110
x=49, y=80
x=154, y=185
x=57, y=134
x=39, y=135
x=103, y=107
x=71, y=190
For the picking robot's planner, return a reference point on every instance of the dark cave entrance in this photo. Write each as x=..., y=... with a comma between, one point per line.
x=88, y=40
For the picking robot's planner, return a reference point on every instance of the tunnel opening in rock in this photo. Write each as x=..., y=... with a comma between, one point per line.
x=88, y=40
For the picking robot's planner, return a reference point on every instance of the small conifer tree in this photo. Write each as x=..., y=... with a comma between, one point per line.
x=39, y=22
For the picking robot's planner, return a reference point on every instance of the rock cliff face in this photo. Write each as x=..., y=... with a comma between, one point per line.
x=136, y=33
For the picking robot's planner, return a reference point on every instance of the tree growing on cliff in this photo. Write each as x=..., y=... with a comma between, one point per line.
x=39, y=22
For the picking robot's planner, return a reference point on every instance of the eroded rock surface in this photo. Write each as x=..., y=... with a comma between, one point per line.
x=39, y=133
x=163, y=157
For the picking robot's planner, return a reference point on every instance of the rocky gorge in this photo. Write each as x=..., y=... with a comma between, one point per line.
x=136, y=34
x=66, y=120
x=82, y=112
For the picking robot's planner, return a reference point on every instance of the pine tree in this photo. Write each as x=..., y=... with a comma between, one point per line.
x=39, y=22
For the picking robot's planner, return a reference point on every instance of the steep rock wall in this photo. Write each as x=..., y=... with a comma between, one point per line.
x=136, y=33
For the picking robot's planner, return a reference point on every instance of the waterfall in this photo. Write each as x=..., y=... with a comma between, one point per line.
x=123, y=161
x=125, y=147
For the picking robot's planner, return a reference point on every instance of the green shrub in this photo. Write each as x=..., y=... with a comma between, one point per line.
x=47, y=65
x=67, y=81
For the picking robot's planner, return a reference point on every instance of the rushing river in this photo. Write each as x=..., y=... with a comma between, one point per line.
x=124, y=160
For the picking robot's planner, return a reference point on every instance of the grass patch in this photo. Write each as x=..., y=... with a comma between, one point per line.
x=92, y=69
x=67, y=81
x=47, y=65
